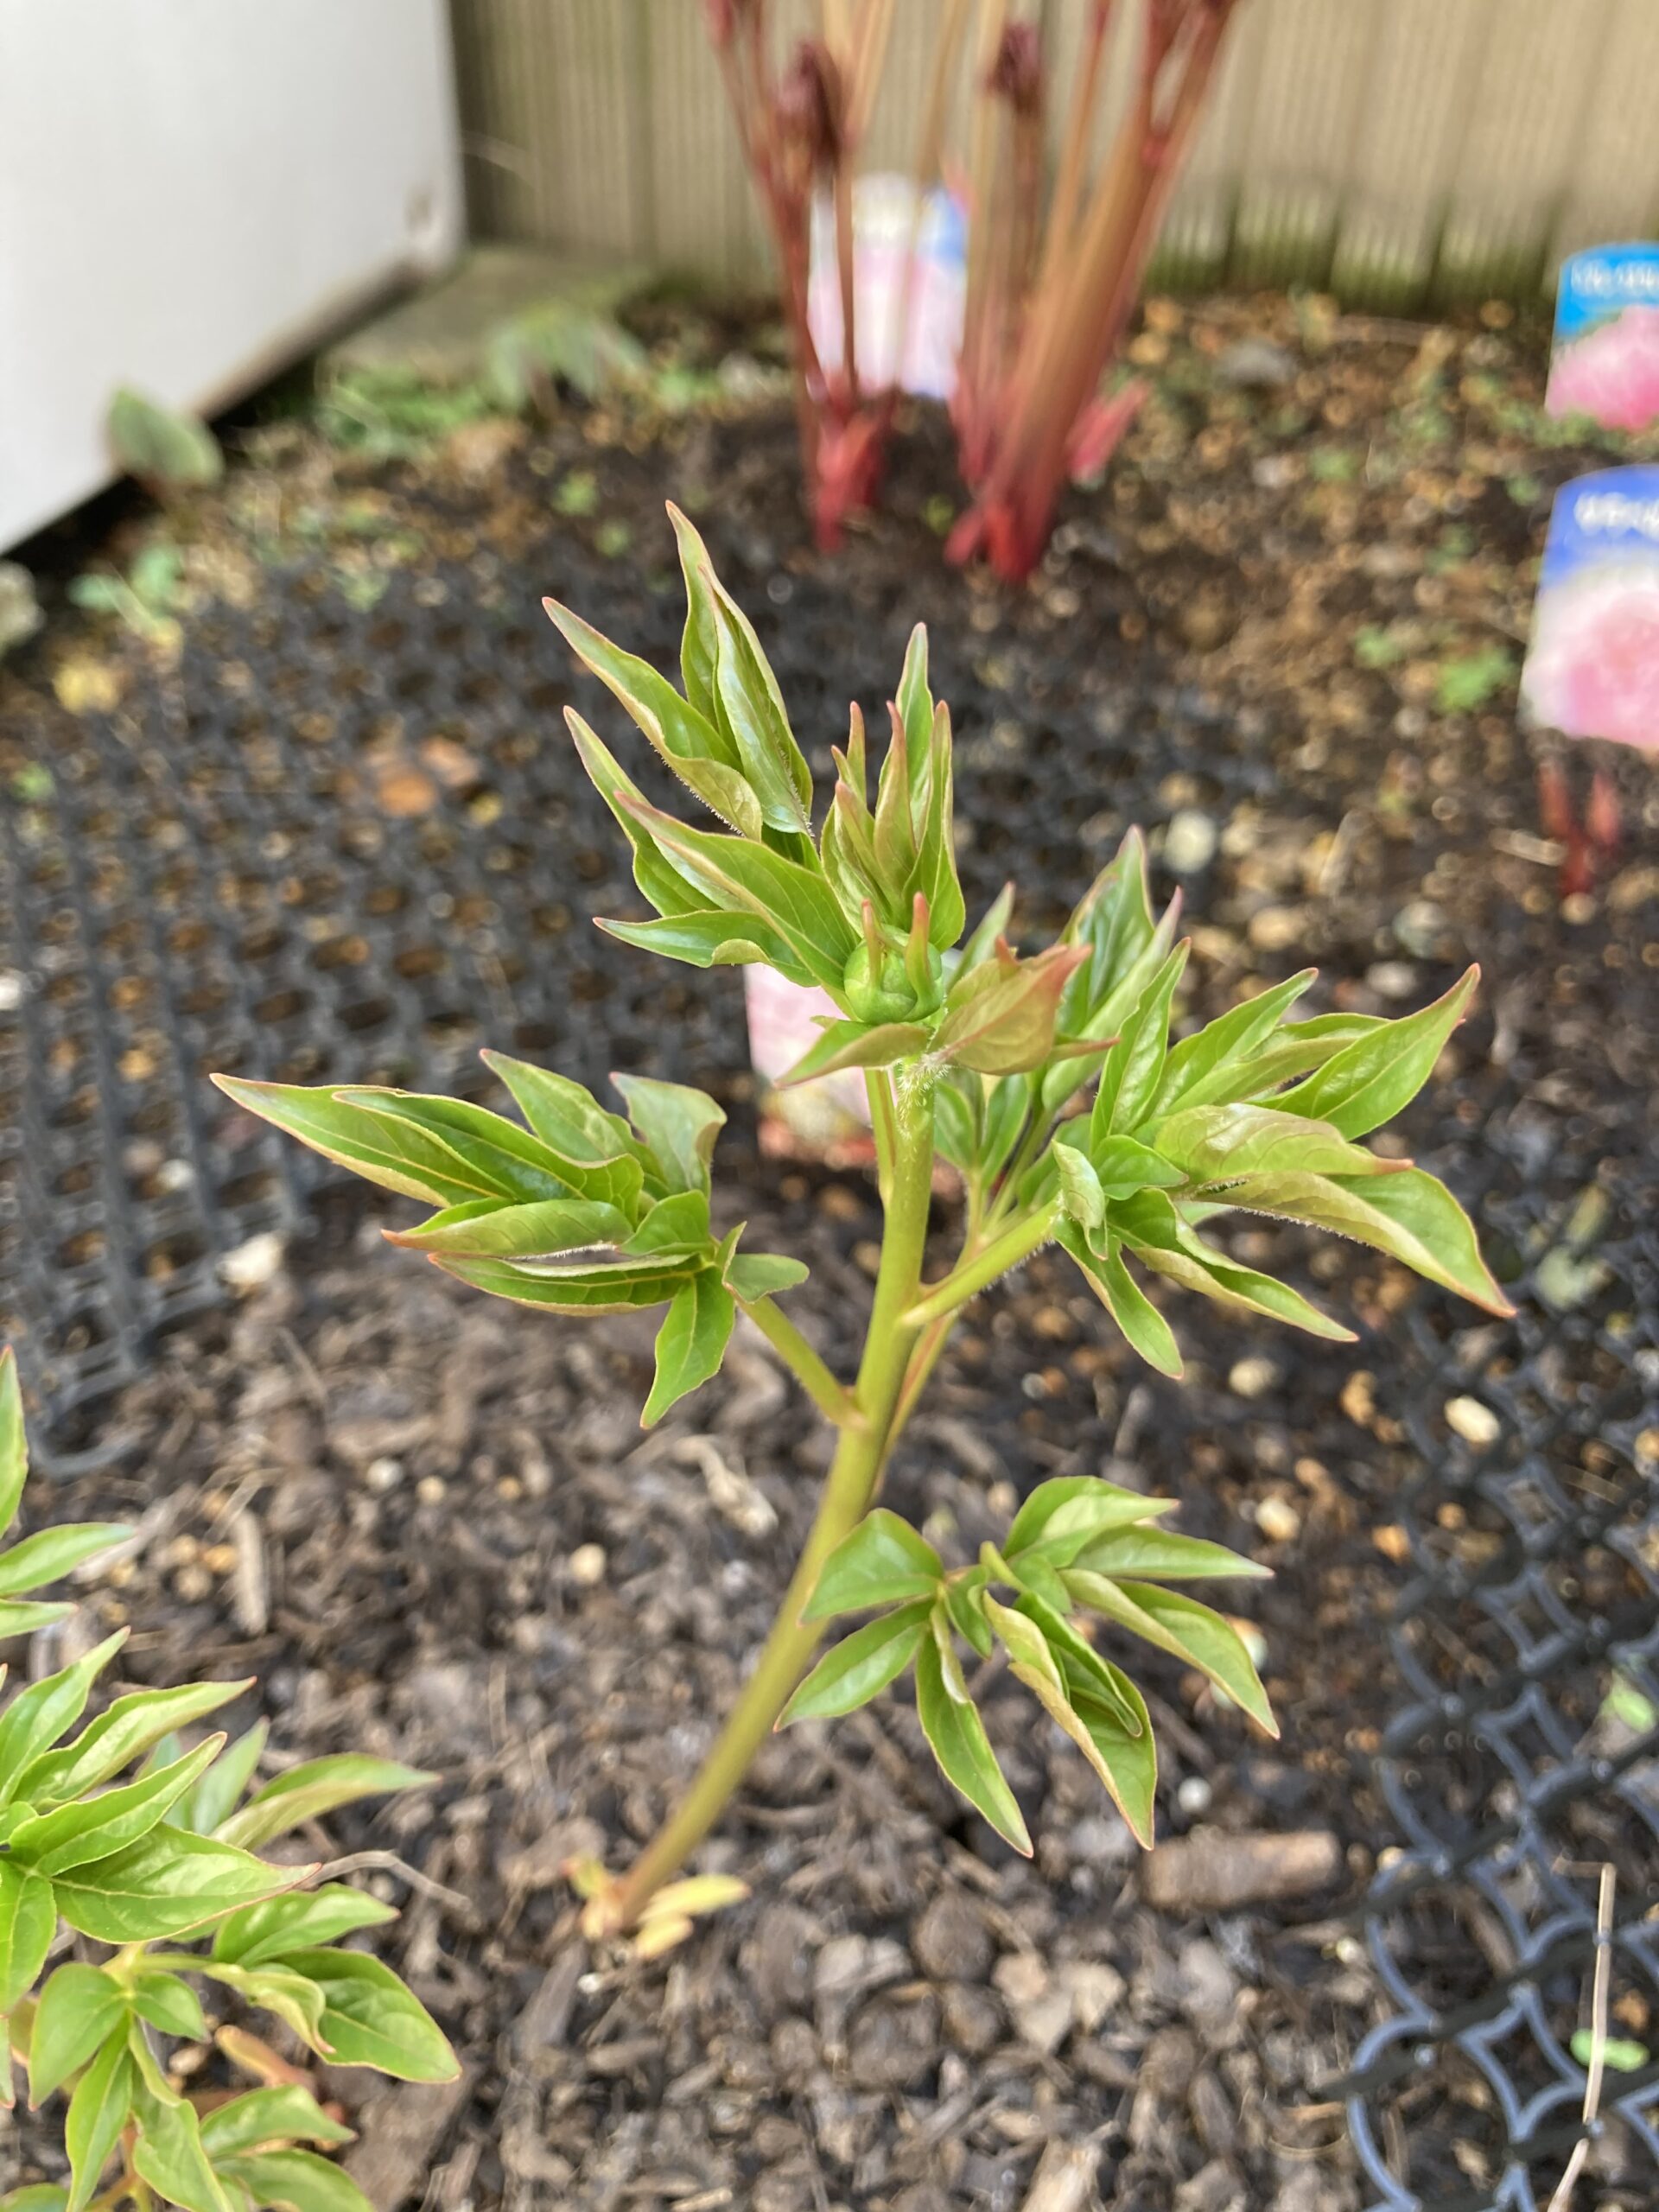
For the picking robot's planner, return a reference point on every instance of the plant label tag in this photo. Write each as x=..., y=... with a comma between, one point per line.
x=1605, y=362
x=906, y=328
x=1592, y=666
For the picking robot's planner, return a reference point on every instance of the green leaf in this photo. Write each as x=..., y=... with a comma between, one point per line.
x=287, y=2115
x=628, y=1285
x=1070, y=1511
x=95, y=1827
x=78, y=2008
x=268, y=1930
x=98, y=2113
x=169, y=2004
x=28, y=1921
x=371, y=2019
x=567, y=1118
x=306, y=1792
x=394, y=1153
x=1161, y=1555
x=676, y=731
x=1080, y=1192
x=715, y=940
x=504, y=1160
x=691, y=1342
x=882, y=1562
x=751, y=713
x=51, y=1554
x=16, y=1619
x=1409, y=1215
x=752, y=1275
x=999, y=1016
x=125, y=1732
x=36, y=1717
x=860, y=1666
x=167, y=1882
x=678, y=1224
x=296, y=2181
x=1622, y=2053
x=751, y=878
x=1370, y=1081
x=169, y=2152
x=699, y=642
x=1142, y=1325
x=679, y=1125
x=956, y=1736
x=225, y=1781
x=857, y=1045
x=1113, y=921
x=163, y=447
x=544, y=1227
x=36, y=2196
x=1206, y=1060
x=963, y=1601
x=983, y=940
x=1179, y=1624
x=1125, y=1167
x=660, y=881
x=14, y=1449
x=1214, y=1144
x=1132, y=1070
x=1293, y=1049
x=1118, y=1756
x=1153, y=1229
x=292, y=1998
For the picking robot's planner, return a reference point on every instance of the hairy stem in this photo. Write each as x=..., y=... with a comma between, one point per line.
x=854, y=1475
x=964, y=1282
x=833, y=1399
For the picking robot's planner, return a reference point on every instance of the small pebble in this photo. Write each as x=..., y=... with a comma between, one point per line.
x=250, y=1265
x=1278, y=1519
x=193, y=1584
x=1189, y=842
x=1194, y=1796
x=1252, y=1378
x=587, y=1566
x=382, y=1475
x=1392, y=979
x=1475, y=1423
x=430, y=1489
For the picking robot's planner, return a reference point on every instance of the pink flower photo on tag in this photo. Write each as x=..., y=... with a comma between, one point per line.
x=1611, y=374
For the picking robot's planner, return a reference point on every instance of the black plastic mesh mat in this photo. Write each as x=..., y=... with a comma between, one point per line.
x=337, y=844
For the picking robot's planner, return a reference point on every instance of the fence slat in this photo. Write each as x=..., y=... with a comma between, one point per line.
x=1389, y=147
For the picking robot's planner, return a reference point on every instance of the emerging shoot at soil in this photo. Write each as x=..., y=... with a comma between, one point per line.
x=145, y=1867
x=1054, y=1088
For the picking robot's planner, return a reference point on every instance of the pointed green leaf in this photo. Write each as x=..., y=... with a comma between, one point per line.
x=394, y=1154
x=219, y=1789
x=963, y=1599
x=857, y=1045
x=698, y=643
x=78, y=2008
x=371, y=2019
x=715, y=940
x=1124, y=1167
x=269, y=1931
x=1142, y=1325
x=1116, y=1755
x=1128, y=1756
x=296, y=2181
x=1214, y=1144
x=1180, y=1625
x=1209, y=1056
x=1114, y=919
x=1160, y=1554
x=882, y=1562
x=676, y=1223
x=659, y=879
x=1069, y=1510
x=981, y=943
x=677, y=1123
x=18, y=1619
x=1153, y=1229
x=1080, y=1192
x=169, y=2004
x=752, y=1275
x=51, y=1554
x=1294, y=1050
x=1409, y=1215
x=306, y=1792
x=98, y=2113
x=1132, y=1070
x=543, y=1227
x=860, y=1666
x=169, y=2152
x=751, y=717
x=503, y=1161
x=956, y=1736
x=124, y=1733
x=999, y=1016
x=14, y=1450
x=36, y=1717
x=676, y=731
x=167, y=1882
x=691, y=1342
x=1370, y=1081
x=628, y=1285
x=291, y=1998
x=28, y=1921
x=567, y=1118
x=93, y=1827
x=286, y=2114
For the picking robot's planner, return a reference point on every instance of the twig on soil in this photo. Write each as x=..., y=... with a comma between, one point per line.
x=357, y=1862
x=1562, y=2199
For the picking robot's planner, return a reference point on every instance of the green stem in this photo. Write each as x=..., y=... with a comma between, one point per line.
x=867, y=1437
x=833, y=1399
x=1016, y=1244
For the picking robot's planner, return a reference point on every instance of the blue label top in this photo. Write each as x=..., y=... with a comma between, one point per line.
x=1601, y=518
x=1595, y=285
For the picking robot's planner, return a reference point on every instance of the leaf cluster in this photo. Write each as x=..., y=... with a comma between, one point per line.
x=116, y=1833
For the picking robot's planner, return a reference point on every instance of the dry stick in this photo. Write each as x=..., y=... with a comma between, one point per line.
x=1074, y=150
x=1563, y=2197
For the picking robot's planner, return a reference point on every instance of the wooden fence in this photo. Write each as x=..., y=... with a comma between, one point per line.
x=1397, y=150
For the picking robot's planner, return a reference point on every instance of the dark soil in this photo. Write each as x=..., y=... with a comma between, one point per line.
x=431, y=1524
